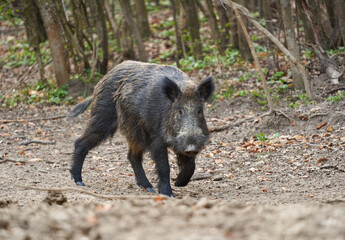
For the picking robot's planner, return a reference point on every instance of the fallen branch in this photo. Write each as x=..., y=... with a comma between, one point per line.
x=44, y=142
x=116, y=197
x=12, y=160
x=33, y=119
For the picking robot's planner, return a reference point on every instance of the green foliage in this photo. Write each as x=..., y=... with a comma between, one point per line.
x=255, y=37
x=243, y=93
x=20, y=54
x=212, y=59
x=308, y=54
x=337, y=50
x=6, y=9
x=340, y=95
x=40, y=93
x=227, y=92
x=86, y=78
x=261, y=137
x=301, y=99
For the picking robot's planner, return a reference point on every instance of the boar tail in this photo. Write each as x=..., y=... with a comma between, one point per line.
x=80, y=108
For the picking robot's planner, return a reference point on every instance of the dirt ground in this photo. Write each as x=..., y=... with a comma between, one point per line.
x=290, y=186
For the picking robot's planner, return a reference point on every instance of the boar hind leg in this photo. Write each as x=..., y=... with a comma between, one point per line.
x=136, y=159
x=187, y=166
x=97, y=130
x=160, y=157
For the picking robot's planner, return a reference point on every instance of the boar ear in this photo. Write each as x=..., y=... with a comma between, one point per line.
x=170, y=89
x=206, y=88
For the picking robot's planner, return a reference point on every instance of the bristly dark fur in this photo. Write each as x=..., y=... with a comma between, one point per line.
x=155, y=107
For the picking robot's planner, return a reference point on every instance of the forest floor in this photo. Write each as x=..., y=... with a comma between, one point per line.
x=290, y=186
x=286, y=183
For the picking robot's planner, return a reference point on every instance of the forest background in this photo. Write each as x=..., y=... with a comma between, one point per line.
x=83, y=39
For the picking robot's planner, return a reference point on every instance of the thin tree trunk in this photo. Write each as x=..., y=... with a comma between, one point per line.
x=35, y=31
x=103, y=36
x=127, y=14
x=56, y=42
x=179, y=45
x=327, y=66
x=112, y=21
x=211, y=17
x=267, y=14
x=341, y=17
x=243, y=44
x=308, y=32
x=193, y=26
x=291, y=41
x=224, y=27
x=142, y=18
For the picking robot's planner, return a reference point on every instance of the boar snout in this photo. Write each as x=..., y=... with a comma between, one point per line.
x=191, y=150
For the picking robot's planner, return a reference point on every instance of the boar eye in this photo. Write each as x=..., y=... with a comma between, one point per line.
x=199, y=111
x=180, y=111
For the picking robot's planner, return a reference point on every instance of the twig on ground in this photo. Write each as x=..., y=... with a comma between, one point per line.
x=318, y=114
x=327, y=166
x=12, y=160
x=32, y=119
x=116, y=197
x=45, y=142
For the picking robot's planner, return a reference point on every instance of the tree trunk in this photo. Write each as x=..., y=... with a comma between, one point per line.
x=309, y=36
x=211, y=17
x=179, y=45
x=193, y=26
x=127, y=14
x=142, y=18
x=341, y=17
x=327, y=66
x=56, y=42
x=224, y=27
x=111, y=18
x=267, y=15
x=34, y=30
x=233, y=39
x=103, y=35
x=315, y=9
x=291, y=41
x=243, y=44
x=80, y=23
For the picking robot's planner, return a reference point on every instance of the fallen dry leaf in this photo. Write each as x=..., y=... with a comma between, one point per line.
x=330, y=128
x=158, y=199
x=321, y=161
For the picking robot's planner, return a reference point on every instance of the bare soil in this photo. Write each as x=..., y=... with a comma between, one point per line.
x=290, y=186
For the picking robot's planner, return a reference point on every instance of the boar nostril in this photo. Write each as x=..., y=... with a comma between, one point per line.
x=191, y=150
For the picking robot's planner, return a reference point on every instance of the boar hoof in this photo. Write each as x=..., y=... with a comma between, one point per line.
x=151, y=190
x=80, y=184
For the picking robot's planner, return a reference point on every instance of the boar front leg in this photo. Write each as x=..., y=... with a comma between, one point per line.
x=159, y=155
x=136, y=159
x=186, y=166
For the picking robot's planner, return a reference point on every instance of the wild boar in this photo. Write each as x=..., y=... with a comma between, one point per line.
x=156, y=107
